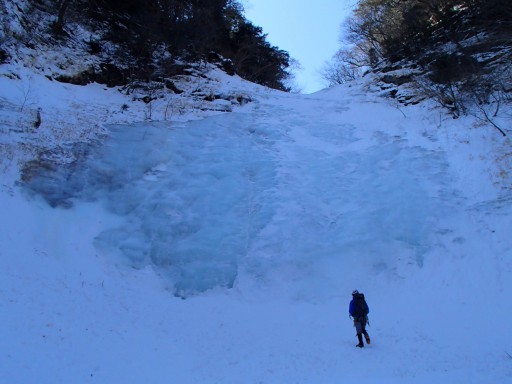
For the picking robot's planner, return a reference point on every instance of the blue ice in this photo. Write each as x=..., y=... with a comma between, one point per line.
x=203, y=201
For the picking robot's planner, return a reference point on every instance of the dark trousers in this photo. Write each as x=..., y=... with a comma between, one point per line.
x=360, y=324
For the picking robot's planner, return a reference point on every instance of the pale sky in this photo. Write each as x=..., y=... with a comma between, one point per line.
x=309, y=30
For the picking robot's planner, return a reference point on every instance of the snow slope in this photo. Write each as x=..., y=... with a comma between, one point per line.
x=222, y=248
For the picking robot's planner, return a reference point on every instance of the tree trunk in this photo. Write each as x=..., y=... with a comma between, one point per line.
x=59, y=24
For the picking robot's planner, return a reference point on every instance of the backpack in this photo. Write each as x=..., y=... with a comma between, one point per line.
x=361, y=308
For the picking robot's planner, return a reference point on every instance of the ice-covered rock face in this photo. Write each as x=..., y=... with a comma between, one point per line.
x=187, y=192
x=272, y=194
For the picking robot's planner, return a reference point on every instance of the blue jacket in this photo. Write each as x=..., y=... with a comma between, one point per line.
x=352, y=308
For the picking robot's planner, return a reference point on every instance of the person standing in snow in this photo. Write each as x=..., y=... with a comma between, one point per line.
x=358, y=310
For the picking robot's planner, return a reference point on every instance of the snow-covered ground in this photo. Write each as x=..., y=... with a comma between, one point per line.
x=216, y=247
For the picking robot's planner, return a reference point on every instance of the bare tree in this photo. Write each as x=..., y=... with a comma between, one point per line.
x=63, y=6
x=346, y=65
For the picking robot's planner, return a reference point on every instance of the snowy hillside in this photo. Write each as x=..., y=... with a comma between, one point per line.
x=212, y=247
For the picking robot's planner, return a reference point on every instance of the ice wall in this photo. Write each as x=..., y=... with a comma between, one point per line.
x=189, y=195
x=284, y=191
